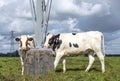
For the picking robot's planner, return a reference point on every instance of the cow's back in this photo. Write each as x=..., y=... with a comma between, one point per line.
x=80, y=42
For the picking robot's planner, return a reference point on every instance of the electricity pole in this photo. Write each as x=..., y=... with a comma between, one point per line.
x=40, y=16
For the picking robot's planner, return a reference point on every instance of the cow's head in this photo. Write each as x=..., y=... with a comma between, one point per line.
x=52, y=41
x=48, y=41
x=24, y=42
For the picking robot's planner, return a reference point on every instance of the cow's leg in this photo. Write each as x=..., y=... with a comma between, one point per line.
x=22, y=65
x=57, y=59
x=64, y=64
x=91, y=60
x=101, y=58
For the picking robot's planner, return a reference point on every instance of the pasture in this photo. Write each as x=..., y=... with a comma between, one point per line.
x=10, y=70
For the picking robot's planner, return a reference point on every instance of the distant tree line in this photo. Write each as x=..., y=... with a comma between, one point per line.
x=10, y=54
x=15, y=54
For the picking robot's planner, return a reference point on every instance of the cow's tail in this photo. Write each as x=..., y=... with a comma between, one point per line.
x=103, y=47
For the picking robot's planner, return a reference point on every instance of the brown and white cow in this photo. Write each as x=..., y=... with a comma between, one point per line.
x=25, y=43
x=77, y=43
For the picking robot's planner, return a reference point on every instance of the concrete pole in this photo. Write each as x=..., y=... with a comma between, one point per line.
x=39, y=23
x=40, y=16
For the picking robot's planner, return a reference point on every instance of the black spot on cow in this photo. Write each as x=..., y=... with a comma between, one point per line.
x=58, y=44
x=55, y=41
x=76, y=45
x=51, y=40
x=73, y=33
x=70, y=44
x=57, y=36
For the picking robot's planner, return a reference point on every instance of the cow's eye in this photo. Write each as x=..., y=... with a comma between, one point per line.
x=27, y=43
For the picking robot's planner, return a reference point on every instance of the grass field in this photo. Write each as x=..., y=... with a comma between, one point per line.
x=10, y=70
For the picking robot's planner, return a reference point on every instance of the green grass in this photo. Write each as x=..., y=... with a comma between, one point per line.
x=10, y=70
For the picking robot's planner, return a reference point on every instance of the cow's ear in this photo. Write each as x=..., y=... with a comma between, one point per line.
x=30, y=39
x=17, y=39
x=48, y=33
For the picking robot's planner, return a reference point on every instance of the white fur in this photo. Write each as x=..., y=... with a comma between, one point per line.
x=91, y=41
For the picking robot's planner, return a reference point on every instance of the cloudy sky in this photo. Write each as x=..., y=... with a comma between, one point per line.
x=66, y=16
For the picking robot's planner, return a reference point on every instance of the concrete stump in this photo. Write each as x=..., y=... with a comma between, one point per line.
x=38, y=62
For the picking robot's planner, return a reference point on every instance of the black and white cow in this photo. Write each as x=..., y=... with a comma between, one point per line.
x=25, y=43
x=76, y=43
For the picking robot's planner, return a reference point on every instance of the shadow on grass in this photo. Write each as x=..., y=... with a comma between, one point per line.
x=94, y=69
x=78, y=69
x=70, y=69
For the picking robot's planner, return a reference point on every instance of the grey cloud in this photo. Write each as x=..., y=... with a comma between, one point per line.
x=16, y=15
x=107, y=20
x=104, y=24
x=79, y=8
